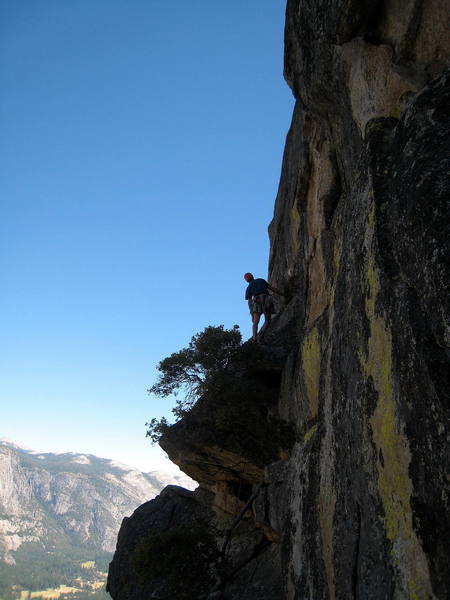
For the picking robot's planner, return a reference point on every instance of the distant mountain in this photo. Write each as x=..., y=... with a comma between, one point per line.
x=60, y=514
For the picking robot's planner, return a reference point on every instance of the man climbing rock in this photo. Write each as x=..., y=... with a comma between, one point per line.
x=259, y=302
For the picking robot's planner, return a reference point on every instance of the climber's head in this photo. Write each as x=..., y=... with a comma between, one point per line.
x=248, y=277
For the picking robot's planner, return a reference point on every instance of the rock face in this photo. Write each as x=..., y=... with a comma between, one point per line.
x=165, y=530
x=352, y=500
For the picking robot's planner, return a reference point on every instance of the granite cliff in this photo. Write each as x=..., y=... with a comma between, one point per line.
x=324, y=462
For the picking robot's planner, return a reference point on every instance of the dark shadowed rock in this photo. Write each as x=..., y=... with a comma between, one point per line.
x=173, y=547
x=170, y=539
x=234, y=430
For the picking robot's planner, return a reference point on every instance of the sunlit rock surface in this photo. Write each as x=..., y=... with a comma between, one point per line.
x=358, y=505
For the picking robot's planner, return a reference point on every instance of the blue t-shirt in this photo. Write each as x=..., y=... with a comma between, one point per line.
x=256, y=287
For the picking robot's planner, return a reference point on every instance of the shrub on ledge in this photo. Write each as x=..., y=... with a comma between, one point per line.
x=192, y=370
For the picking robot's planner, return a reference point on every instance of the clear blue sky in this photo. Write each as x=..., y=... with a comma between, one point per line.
x=140, y=155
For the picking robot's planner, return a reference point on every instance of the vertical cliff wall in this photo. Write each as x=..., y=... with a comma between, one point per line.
x=361, y=229
x=336, y=484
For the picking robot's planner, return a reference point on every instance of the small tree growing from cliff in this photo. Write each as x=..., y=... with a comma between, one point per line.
x=191, y=370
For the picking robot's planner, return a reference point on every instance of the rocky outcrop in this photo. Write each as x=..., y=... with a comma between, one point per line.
x=219, y=440
x=355, y=503
x=165, y=530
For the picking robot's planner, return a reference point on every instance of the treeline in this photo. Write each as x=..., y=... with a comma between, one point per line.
x=37, y=570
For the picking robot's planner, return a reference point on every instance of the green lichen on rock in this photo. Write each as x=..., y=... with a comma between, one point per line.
x=311, y=369
x=310, y=433
x=394, y=484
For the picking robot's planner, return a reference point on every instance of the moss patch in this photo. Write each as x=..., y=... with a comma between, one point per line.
x=309, y=434
x=394, y=484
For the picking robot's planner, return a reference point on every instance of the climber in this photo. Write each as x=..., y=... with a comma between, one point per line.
x=259, y=302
